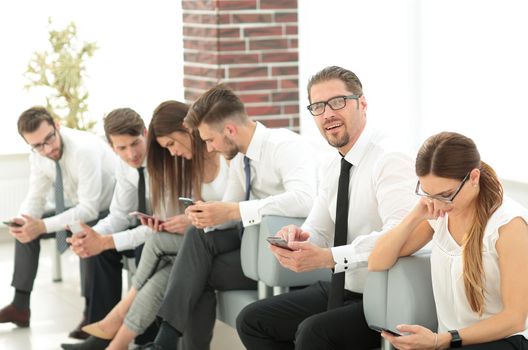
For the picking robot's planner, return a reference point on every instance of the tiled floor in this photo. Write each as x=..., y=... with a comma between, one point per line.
x=56, y=307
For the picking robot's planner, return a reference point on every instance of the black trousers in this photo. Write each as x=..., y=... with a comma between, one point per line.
x=104, y=286
x=517, y=342
x=205, y=262
x=299, y=320
x=27, y=260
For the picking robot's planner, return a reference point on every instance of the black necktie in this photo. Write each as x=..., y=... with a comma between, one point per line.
x=60, y=236
x=247, y=171
x=142, y=201
x=337, y=288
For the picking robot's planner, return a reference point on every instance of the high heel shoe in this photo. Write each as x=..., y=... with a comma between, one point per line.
x=96, y=331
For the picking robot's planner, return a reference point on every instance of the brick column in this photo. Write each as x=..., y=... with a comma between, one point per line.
x=251, y=46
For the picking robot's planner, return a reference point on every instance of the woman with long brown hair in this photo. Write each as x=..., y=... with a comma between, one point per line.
x=479, y=260
x=178, y=165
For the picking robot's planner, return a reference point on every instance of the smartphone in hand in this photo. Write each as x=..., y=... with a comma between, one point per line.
x=278, y=241
x=11, y=223
x=381, y=329
x=186, y=201
x=145, y=216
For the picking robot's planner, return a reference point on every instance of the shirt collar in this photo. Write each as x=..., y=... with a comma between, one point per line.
x=255, y=145
x=360, y=148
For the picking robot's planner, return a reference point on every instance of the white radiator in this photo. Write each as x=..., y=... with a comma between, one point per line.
x=12, y=193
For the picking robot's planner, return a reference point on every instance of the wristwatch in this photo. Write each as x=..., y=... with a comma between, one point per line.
x=456, y=342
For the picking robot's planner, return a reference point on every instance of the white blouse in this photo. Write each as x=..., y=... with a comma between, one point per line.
x=214, y=190
x=452, y=307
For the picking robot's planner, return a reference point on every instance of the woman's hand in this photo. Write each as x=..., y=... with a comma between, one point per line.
x=176, y=224
x=155, y=225
x=418, y=338
x=430, y=209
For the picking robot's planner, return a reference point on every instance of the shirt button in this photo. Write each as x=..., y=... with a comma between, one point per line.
x=346, y=261
x=346, y=267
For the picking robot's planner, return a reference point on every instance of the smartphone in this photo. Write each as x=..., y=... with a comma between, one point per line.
x=381, y=329
x=145, y=216
x=186, y=201
x=278, y=241
x=12, y=223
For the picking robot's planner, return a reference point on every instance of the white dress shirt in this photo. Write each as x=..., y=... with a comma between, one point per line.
x=124, y=201
x=452, y=306
x=87, y=165
x=381, y=193
x=283, y=176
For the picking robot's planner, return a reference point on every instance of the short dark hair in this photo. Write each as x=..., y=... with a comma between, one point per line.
x=350, y=79
x=123, y=121
x=30, y=120
x=215, y=106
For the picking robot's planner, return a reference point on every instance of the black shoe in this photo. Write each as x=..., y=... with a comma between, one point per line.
x=149, y=346
x=78, y=333
x=91, y=343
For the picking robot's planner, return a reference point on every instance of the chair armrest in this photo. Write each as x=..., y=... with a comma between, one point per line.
x=249, y=252
x=269, y=270
x=402, y=294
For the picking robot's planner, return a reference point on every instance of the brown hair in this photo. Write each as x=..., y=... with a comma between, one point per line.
x=173, y=176
x=451, y=155
x=351, y=80
x=123, y=121
x=30, y=120
x=214, y=107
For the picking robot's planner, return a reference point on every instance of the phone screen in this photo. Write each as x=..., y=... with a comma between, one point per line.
x=278, y=241
x=381, y=329
x=12, y=224
x=186, y=201
x=145, y=216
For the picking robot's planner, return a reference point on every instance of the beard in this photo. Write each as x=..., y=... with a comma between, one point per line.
x=338, y=141
x=231, y=149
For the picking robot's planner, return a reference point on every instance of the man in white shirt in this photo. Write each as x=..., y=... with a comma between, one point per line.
x=270, y=174
x=117, y=234
x=358, y=200
x=79, y=168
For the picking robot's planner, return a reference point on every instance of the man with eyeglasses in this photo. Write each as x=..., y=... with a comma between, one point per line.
x=78, y=168
x=364, y=191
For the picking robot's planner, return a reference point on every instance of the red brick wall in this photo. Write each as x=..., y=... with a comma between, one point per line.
x=250, y=45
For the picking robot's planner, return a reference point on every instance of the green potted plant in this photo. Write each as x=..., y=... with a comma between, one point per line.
x=61, y=70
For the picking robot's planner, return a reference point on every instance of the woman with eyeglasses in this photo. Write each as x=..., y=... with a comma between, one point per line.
x=479, y=259
x=178, y=164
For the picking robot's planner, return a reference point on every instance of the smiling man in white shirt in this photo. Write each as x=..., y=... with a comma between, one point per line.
x=118, y=234
x=79, y=168
x=270, y=174
x=366, y=189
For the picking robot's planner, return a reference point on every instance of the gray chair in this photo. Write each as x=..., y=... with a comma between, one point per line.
x=260, y=265
x=402, y=294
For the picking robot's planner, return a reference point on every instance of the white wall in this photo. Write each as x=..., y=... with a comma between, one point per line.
x=429, y=66
x=138, y=65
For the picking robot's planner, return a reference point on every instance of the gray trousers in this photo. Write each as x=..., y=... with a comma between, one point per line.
x=151, y=279
x=27, y=259
x=206, y=261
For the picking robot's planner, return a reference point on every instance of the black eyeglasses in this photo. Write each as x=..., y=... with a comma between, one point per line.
x=338, y=102
x=39, y=147
x=445, y=199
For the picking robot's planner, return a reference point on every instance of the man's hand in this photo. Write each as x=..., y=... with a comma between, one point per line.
x=88, y=243
x=305, y=256
x=31, y=229
x=207, y=214
x=293, y=233
x=176, y=224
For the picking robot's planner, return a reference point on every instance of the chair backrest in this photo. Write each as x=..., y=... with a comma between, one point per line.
x=402, y=294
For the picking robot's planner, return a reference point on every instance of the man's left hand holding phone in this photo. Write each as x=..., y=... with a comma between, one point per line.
x=25, y=229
